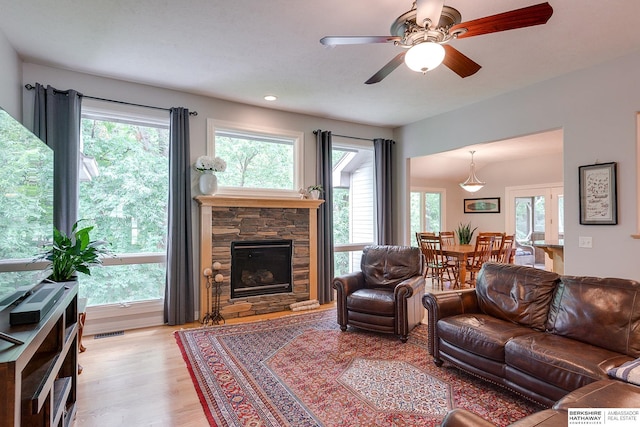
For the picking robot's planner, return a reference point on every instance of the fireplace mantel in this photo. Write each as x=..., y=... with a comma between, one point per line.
x=208, y=230
x=246, y=202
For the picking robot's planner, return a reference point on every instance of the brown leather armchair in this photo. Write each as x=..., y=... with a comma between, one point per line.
x=385, y=296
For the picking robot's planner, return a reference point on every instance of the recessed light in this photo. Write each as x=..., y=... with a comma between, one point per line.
x=270, y=97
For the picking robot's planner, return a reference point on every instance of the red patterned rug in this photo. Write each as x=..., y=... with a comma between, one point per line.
x=301, y=370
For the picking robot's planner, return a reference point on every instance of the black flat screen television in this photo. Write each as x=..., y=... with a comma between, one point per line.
x=26, y=204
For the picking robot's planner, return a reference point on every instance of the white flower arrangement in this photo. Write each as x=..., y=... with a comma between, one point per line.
x=208, y=163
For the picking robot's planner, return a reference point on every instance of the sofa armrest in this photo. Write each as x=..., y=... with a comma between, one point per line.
x=462, y=418
x=451, y=303
x=408, y=300
x=349, y=283
x=444, y=305
x=344, y=286
x=408, y=287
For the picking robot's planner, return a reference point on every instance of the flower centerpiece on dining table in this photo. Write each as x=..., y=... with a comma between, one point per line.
x=207, y=165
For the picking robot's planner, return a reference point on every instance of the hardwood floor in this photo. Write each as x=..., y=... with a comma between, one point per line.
x=140, y=379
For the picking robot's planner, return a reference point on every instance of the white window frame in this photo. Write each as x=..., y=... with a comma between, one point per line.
x=298, y=157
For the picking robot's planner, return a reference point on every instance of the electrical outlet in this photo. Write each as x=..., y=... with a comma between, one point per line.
x=585, y=242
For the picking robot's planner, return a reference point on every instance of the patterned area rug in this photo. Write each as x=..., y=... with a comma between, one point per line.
x=301, y=370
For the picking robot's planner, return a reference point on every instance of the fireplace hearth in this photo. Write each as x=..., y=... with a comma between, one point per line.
x=261, y=267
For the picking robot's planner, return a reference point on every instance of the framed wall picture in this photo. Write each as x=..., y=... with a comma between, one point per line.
x=484, y=205
x=598, y=194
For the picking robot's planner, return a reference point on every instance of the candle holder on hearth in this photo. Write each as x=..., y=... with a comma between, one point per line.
x=213, y=317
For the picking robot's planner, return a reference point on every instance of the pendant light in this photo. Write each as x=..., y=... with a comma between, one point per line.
x=472, y=184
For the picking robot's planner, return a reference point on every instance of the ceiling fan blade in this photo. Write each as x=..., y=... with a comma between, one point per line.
x=519, y=18
x=428, y=9
x=387, y=69
x=459, y=63
x=341, y=40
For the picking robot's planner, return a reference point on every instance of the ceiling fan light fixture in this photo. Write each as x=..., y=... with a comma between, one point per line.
x=472, y=184
x=424, y=56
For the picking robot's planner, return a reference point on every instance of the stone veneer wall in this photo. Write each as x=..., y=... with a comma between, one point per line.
x=260, y=223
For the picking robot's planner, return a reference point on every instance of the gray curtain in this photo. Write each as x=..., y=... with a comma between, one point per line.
x=383, y=158
x=179, y=287
x=57, y=123
x=325, y=216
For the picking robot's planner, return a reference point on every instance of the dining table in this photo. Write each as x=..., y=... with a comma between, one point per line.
x=460, y=253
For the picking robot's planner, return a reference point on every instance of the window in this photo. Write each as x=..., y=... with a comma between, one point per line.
x=426, y=212
x=353, y=205
x=124, y=193
x=259, y=161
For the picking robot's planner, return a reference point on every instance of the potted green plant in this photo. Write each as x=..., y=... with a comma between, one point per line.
x=314, y=191
x=75, y=253
x=465, y=233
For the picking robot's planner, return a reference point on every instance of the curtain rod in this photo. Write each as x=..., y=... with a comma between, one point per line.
x=29, y=86
x=315, y=132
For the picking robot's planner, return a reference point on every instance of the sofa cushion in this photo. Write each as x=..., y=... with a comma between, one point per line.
x=598, y=311
x=560, y=361
x=380, y=302
x=516, y=293
x=388, y=265
x=479, y=334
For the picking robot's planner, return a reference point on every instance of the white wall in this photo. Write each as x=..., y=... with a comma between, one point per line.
x=596, y=108
x=10, y=99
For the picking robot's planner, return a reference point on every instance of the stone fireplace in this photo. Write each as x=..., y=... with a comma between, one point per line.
x=227, y=221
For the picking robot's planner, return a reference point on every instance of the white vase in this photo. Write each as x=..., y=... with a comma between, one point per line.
x=208, y=183
x=315, y=194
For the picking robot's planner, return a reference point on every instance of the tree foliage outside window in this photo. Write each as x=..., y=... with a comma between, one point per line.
x=530, y=217
x=127, y=203
x=426, y=213
x=255, y=161
x=432, y=211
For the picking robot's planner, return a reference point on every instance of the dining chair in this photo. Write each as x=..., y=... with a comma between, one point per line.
x=497, y=243
x=449, y=239
x=419, y=236
x=431, y=247
x=481, y=254
x=507, y=249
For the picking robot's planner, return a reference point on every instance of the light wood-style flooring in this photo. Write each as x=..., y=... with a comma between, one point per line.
x=140, y=379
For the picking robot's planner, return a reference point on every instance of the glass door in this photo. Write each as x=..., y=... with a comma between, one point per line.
x=535, y=213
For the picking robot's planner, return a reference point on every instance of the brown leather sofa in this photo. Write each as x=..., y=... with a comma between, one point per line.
x=537, y=333
x=386, y=295
x=599, y=395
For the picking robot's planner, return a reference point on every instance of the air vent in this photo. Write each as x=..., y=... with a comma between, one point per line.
x=108, y=335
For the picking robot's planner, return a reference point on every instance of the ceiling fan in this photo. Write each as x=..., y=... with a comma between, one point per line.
x=426, y=30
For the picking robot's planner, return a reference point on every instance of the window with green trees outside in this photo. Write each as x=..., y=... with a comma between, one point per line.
x=125, y=197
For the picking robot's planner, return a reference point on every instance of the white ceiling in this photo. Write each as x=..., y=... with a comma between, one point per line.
x=241, y=50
